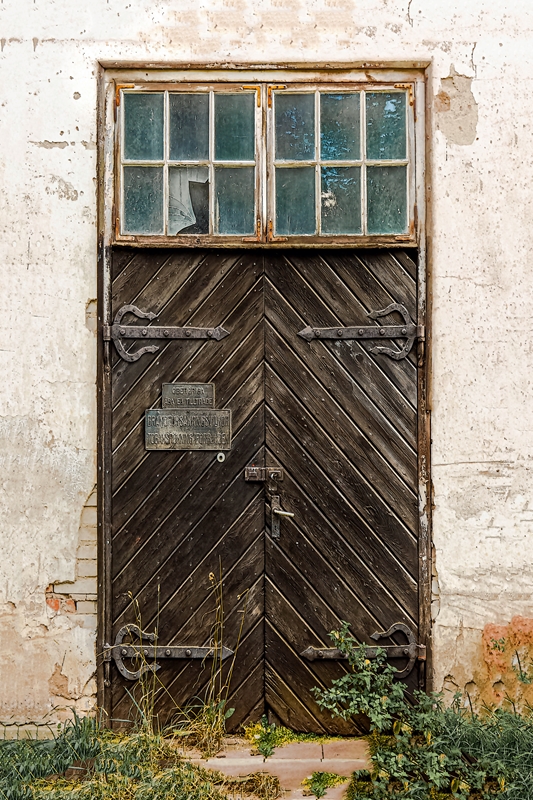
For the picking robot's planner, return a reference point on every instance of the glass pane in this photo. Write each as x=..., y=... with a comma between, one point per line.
x=295, y=126
x=188, y=203
x=387, y=199
x=143, y=126
x=295, y=201
x=340, y=129
x=385, y=125
x=234, y=127
x=189, y=127
x=143, y=199
x=234, y=200
x=341, y=199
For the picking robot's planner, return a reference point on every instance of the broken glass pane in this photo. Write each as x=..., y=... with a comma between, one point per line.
x=234, y=200
x=295, y=201
x=143, y=200
x=295, y=126
x=189, y=127
x=143, y=126
x=387, y=199
x=234, y=127
x=386, y=135
x=341, y=200
x=188, y=203
x=340, y=130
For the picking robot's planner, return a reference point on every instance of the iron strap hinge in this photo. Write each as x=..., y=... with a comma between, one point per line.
x=117, y=332
x=411, y=650
x=144, y=651
x=408, y=331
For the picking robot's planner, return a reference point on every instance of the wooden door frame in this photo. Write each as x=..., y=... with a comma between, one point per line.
x=108, y=73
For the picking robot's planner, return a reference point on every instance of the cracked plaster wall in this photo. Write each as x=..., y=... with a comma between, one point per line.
x=480, y=176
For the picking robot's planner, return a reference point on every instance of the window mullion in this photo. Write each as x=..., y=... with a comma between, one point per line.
x=362, y=117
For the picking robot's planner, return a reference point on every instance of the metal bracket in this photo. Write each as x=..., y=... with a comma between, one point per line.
x=412, y=650
x=117, y=332
x=263, y=474
x=120, y=651
x=408, y=330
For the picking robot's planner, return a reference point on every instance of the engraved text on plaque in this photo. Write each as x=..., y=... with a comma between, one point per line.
x=187, y=429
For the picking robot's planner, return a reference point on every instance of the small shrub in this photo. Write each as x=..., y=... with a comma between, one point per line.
x=421, y=750
x=319, y=782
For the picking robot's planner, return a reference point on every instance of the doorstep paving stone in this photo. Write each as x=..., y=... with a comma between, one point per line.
x=292, y=763
x=298, y=750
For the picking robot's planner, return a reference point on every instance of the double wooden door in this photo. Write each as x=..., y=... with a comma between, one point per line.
x=338, y=420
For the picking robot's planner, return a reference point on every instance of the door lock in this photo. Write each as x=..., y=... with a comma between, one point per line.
x=277, y=512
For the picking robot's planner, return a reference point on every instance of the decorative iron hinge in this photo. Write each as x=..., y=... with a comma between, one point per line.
x=408, y=331
x=117, y=332
x=411, y=650
x=119, y=651
x=263, y=474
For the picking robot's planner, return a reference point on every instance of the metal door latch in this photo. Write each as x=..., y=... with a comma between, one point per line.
x=143, y=651
x=411, y=650
x=117, y=332
x=277, y=512
x=408, y=331
x=263, y=474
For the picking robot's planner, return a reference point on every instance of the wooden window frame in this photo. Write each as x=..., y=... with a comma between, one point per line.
x=265, y=82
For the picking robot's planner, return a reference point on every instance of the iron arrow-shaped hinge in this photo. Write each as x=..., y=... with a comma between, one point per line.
x=411, y=650
x=117, y=331
x=146, y=650
x=408, y=331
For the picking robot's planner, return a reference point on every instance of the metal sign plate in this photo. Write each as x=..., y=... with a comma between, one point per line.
x=188, y=395
x=187, y=429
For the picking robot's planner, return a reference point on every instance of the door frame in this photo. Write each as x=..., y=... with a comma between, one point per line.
x=111, y=73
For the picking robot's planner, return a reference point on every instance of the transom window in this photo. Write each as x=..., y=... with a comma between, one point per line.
x=266, y=163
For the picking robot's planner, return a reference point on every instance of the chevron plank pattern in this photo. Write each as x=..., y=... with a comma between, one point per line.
x=340, y=421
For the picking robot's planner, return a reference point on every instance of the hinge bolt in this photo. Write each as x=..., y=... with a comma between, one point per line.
x=144, y=331
x=123, y=652
x=381, y=331
x=122, y=331
x=188, y=653
x=167, y=652
x=339, y=332
x=165, y=333
x=360, y=331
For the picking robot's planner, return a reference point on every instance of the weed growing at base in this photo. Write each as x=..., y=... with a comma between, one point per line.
x=421, y=750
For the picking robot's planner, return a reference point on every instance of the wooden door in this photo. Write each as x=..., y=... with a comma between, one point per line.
x=339, y=420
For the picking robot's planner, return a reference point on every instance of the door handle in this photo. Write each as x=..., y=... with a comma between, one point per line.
x=277, y=512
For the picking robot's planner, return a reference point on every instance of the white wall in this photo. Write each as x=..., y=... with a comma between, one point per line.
x=481, y=273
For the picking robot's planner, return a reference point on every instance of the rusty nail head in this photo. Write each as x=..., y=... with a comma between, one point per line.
x=167, y=652
x=316, y=332
x=320, y=654
x=123, y=652
x=165, y=332
x=187, y=333
x=188, y=653
x=406, y=651
x=339, y=332
x=381, y=331
x=122, y=331
x=360, y=331
x=404, y=330
x=144, y=331
x=210, y=332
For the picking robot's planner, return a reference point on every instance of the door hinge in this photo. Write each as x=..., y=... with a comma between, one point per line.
x=117, y=332
x=408, y=331
x=411, y=650
x=144, y=651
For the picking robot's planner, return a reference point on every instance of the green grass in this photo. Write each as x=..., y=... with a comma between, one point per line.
x=84, y=762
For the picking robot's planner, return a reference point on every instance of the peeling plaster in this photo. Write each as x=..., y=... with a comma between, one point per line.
x=457, y=109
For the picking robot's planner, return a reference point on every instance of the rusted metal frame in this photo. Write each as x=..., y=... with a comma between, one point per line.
x=424, y=367
x=105, y=212
x=165, y=68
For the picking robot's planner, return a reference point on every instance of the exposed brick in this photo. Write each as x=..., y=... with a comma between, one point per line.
x=53, y=602
x=69, y=605
x=87, y=551
x=87, y=568
x=88, y=516
x=86, y=607
x=80, y=586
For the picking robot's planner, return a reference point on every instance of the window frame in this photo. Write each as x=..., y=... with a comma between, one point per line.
x=266, y=83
